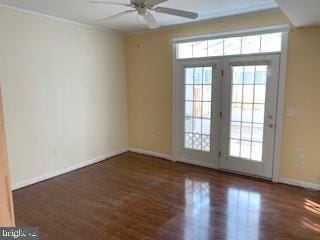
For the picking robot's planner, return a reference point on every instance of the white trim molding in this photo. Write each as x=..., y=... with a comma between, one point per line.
x=150, y=153
x=280, y=106
x=47, y=176
x=298, y=183
x=16, y=9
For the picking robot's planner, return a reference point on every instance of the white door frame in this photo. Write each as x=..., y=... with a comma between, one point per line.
x=280, y=94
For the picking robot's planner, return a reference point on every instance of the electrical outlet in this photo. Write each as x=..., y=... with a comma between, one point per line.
x=55, y=151
x=291, y=112
x=153, y=136
x=300, y=159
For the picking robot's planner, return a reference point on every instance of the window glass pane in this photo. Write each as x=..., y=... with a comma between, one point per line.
x=258, y=114
x=259, y=93
x=248, y=74
x=200, y=49
x=271, y=42
x=236, y=112
x=197, y=109
x=189, y=109
x=237, y=93
x=215, y=47
x=234, y=148
x=205, y=143
x=248, y=93
x=188, y=140
x=198, y=101
x=198, y=75
x=207, y=75
x=197, y=92
x=232, y=46
x=245, y=150
x=197, y=125
x=206, y=126
x=251, y=44
x=206, y=109
x=189, y=93
x=261, y=75
x=188, y=125
x=257, y=132
x=185, y=50
x=237, y=76
x=246, y=113
x=246, y=130
x=197, y=141
x=206, y=92
x=235, y=130
x=189, y=76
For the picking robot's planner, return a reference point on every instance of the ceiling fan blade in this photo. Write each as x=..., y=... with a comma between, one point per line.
x=151, y=21
x=113, y=3
x=155, y=2
x=176, y=12
x=117, y=15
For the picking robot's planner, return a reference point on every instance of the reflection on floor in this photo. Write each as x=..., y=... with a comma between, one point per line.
x=134, y=196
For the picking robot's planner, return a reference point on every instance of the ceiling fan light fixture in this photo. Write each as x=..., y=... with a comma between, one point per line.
x=143, y=7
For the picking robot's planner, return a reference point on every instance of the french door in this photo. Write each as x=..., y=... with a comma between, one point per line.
x=225, y=112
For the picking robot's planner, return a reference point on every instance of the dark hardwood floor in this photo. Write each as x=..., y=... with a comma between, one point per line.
x=133, y=196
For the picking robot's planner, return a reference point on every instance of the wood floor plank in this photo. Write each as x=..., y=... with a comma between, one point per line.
x=134, y=196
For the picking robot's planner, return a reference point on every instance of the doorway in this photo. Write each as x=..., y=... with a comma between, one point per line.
x=225, y=112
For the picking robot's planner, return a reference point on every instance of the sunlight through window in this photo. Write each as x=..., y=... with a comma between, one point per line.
x=263, y=43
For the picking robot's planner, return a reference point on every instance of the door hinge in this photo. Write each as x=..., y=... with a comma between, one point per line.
x=220, y=114
x=219, y=153
x=222, y=73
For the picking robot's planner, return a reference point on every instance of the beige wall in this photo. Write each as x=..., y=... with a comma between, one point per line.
x=64, y=88
x=149, y=73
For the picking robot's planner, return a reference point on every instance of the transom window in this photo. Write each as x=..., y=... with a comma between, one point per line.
x=242, y=45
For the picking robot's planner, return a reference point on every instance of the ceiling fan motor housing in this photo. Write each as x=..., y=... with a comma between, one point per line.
x=142, y=9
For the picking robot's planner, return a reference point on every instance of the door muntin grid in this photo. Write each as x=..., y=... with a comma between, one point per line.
x=197, y=112
x=248, y=93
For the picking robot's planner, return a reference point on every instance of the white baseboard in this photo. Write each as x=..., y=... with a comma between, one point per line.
x=298, y=183
x=25, y=183
x=306, y=185
x=47, y=176
x=153, y=154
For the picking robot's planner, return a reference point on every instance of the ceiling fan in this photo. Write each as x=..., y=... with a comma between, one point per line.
x=144, y=8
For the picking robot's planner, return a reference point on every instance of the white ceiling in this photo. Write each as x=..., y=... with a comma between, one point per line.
x=301, y=12
x=84, y=12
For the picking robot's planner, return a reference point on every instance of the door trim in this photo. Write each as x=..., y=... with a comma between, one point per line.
x=280, y=103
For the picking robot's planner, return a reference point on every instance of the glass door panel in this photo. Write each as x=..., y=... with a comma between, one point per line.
x=198, y=91
x=247, y=111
